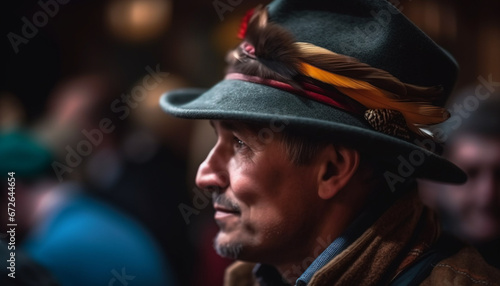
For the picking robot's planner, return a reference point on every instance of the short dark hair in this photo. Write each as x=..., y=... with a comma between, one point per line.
x=303, y=147
x=300, y=148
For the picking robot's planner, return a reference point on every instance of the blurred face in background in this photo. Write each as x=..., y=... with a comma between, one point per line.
x=474, y=208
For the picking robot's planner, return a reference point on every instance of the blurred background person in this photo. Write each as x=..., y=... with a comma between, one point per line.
x=75, y=236
x=143, y=170
x=472, y=211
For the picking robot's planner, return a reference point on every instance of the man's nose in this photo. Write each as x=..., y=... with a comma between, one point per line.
x=212, y=173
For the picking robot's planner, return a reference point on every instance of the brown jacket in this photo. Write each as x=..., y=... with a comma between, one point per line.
x=392, y=244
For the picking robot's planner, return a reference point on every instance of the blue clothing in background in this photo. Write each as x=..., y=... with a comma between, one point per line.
x=87, y=242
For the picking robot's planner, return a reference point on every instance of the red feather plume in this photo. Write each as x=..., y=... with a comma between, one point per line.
x=244, y=23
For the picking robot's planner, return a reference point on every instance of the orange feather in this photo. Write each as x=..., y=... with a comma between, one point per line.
x=352, y=68
x=415, y=113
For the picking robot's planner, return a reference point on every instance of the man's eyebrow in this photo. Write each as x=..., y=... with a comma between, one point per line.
x=230, y=125
x=226, y=125
x=235, y=126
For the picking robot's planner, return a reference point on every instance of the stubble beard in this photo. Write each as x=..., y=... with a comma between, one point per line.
x=229, y=250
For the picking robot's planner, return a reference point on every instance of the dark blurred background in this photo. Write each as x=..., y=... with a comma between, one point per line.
x=107, y=46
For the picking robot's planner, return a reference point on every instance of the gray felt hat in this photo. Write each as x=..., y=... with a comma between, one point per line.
x=357, y=69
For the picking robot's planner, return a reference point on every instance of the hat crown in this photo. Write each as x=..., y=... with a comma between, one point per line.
x=372, y=31
x=290, y=67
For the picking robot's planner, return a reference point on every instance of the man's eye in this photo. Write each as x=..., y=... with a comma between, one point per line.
x=238, y=143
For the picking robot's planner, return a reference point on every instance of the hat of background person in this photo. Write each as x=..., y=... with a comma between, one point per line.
x=23, y=154
x=356, y=69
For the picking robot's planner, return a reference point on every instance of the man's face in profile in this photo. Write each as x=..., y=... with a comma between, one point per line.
x=264, y=204
x=475, y=206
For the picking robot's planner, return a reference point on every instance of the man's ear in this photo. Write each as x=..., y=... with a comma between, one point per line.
x=338, y=165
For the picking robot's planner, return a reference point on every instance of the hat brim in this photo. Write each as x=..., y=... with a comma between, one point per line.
x=240, y=100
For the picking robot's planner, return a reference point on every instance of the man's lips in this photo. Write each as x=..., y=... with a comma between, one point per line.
x=222, y=212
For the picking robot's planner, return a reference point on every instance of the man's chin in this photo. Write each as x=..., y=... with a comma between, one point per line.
x=226, y=248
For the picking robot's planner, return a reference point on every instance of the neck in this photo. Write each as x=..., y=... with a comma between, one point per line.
x=340, y=216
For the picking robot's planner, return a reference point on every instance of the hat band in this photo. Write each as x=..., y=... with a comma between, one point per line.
x=386, y=121
x=308, y=90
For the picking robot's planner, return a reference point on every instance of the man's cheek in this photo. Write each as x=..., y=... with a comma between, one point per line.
x=262, y=215
x=247, y=191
